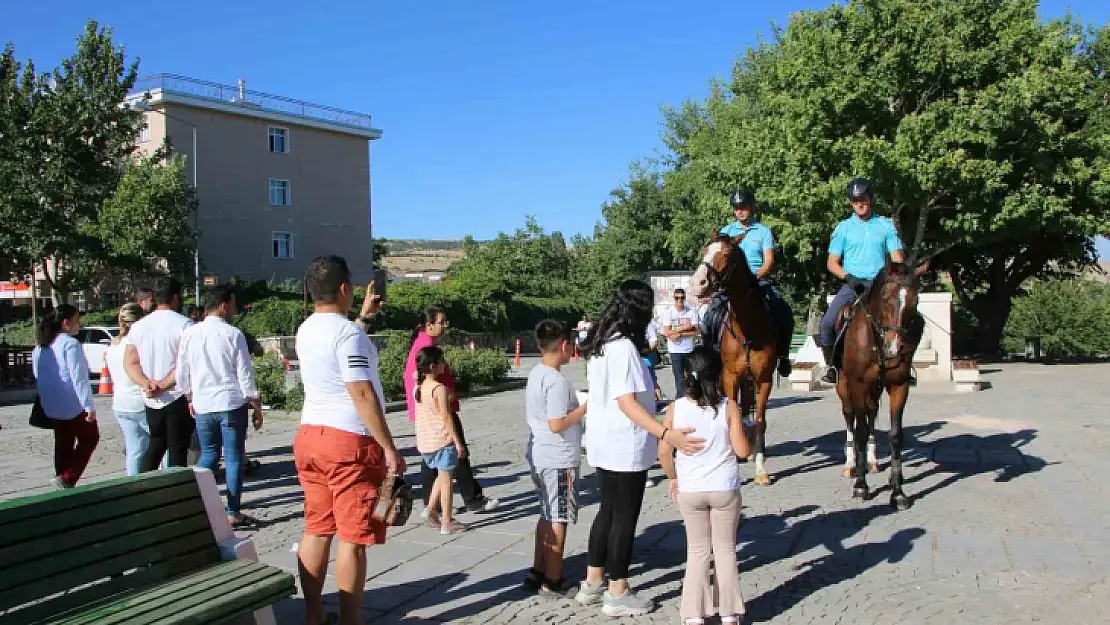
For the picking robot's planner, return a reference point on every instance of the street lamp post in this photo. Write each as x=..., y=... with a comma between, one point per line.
x=196, y=210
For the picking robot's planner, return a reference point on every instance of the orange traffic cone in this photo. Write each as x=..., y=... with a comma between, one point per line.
x=105, y=381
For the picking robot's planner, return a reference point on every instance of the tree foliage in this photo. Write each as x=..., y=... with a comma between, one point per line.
x=975, y=120
x=146, y=219
x=1072, y=318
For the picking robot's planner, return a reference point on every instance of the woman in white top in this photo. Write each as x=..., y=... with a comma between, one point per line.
x=706, y=486
x=127, y=397
x=65, y=393
x=620, y=441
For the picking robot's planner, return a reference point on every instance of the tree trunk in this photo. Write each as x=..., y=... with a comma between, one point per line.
x=992, y=311
x=56, y=295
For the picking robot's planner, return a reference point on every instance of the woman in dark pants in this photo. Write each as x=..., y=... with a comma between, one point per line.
x=432, y=326
x=621, y=444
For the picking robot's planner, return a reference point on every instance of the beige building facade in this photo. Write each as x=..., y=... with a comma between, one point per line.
x=279, y=181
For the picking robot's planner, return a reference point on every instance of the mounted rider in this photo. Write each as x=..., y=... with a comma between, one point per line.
x=857, y=253
x=758, y=246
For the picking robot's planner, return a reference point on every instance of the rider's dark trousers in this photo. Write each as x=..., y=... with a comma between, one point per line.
x=828, y=322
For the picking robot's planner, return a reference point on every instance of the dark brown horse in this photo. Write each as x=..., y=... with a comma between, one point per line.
x=748, y=351
x=879, y=343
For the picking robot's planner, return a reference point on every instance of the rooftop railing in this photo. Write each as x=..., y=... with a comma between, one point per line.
x=170, y=83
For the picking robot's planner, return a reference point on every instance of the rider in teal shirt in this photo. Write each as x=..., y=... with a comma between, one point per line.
x=857, y=253
x=758, y=246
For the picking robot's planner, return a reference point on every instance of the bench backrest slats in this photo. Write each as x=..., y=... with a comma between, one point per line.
x=61, y=541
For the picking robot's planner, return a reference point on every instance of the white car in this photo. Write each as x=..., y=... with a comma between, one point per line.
x=95, y=340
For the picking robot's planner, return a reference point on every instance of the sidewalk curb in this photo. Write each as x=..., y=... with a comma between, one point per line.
x=511, y=384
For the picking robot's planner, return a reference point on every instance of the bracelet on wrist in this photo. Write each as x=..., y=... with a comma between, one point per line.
x=662, y=436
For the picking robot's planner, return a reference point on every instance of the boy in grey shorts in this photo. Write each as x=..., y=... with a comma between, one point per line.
x=554, y=455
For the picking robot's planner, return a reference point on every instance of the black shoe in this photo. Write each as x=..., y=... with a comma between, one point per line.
x=785, y=367
x=830, y=375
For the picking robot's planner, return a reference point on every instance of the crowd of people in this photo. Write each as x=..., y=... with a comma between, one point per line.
x=182, y=379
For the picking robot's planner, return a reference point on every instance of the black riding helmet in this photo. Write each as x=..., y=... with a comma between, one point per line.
x=859, y=189
x=741, y=197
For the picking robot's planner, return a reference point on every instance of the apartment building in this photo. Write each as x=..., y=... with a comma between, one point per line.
x=279, y=181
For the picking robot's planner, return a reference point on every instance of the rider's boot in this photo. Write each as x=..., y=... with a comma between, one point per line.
x=830, y=370
x=785, y=367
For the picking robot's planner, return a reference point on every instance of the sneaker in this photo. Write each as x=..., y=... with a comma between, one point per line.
x=628, y=604
x=485, y=504
x=454, y=528
x=589, y=594
x=60, y=484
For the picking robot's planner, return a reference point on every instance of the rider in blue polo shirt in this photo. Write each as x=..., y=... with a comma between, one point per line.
x=857, y=253
x=758, y=246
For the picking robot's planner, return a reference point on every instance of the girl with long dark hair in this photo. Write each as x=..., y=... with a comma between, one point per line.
x=621, y=444
x=706, y=487
x=62, y=378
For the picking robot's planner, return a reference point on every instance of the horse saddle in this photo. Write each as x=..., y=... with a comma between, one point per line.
x=716, y=318
x=843, y=318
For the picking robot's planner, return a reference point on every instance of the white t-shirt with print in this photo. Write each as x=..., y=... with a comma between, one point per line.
x=333, y=351
x=613, y=442
x=156, y=337
x=673, y=319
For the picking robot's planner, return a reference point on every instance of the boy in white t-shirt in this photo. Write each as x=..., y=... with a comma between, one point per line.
x=343, y=448
x=554, y=454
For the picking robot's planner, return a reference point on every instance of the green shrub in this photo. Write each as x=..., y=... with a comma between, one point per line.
x=480, y=367
x=526, y=312
x=269, y=376
x=1072, y=317
x=391, y=364
x=272, y=316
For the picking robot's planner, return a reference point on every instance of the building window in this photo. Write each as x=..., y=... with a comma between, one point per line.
x=144, y=134
x=279, y=192
x=283, y=245
x=279, y=140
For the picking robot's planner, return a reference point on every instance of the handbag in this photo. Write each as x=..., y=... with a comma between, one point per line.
x=394, y=504
x=38, y=416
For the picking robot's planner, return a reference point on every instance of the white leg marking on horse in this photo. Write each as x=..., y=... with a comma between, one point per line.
x=759, y=469
x=872, y=460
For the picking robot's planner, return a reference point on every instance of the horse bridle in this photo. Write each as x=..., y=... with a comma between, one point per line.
x=879, y=342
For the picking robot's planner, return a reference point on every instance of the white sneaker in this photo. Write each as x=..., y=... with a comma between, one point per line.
x=589, y=594
x=628, y=604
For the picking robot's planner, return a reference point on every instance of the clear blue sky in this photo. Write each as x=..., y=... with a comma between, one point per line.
x=491, y=110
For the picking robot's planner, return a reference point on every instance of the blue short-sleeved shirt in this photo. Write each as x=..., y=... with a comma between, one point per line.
x=863, y=246
x=758, y=238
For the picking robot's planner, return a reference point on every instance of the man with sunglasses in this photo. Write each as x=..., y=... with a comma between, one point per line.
x=680, y=325
x=758, y=245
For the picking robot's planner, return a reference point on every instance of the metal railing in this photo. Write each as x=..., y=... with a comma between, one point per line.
x=171, y=83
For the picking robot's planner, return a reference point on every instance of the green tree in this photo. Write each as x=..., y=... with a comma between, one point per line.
x=73, y=145
x=146, y=219
x=527, y=262
x=381, y=250
x=1072, y=317
x=974, y=119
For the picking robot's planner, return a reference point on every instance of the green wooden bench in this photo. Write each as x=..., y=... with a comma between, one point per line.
x=129, y=550
x=796, y=343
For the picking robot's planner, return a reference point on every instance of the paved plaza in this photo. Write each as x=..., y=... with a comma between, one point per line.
x=1010, y=522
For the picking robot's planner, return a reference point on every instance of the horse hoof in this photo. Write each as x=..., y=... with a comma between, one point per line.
x=848, y=472
x=875, y=467
x=763, y=479
x=900, y=503
x=860, y=493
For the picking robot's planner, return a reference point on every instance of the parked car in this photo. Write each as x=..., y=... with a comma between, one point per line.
x=94, y=341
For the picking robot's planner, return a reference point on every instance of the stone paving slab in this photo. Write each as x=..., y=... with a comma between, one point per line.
x=1010, y=522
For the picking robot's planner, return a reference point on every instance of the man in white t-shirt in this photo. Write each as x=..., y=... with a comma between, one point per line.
x=343, y=449
x=680, y=325
x=151, y=363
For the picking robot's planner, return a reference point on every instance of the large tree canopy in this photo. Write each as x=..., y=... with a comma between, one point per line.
x=975, y=120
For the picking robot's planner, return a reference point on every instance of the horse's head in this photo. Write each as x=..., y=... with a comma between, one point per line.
x=895, y=293
x=721, y=262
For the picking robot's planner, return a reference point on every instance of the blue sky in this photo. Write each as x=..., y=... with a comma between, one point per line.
x=491, y=110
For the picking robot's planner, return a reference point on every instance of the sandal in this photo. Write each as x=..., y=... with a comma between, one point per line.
x=534, y=579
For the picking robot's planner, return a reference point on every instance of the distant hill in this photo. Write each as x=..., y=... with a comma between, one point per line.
x=415, y=255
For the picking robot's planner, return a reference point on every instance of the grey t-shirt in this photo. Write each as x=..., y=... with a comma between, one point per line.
x=550, y=395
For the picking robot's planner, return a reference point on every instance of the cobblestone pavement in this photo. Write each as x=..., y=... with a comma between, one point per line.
x=1010, y=523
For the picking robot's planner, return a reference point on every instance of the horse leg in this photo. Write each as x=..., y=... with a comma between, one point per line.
x=861, y=433
x=849, y=448
x=761, y=476
x=746, y=402
x=898, y=397
x=872, y=458
x=730, y=385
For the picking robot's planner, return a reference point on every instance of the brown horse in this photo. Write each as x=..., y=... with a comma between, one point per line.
x=748, y=350
x=879, y=343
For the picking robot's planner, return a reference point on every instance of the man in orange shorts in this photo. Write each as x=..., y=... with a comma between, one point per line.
x=343, y=448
